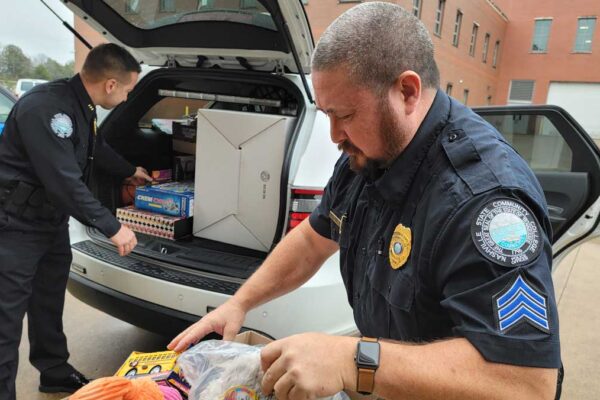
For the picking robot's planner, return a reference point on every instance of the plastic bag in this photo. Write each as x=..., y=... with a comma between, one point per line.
x=220, y=370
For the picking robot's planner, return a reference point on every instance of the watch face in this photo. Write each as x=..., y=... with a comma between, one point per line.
x=367, y=355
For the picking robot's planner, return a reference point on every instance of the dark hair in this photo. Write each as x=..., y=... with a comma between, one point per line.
x=376, y=42
x=109, y=60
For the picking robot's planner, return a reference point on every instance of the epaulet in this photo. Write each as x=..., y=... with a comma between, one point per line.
x=467, y=162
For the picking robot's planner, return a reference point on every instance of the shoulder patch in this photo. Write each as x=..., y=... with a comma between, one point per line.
x=506, y=232
x=61, y=125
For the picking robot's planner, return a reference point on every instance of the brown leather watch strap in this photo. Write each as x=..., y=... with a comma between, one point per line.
x=366, y=380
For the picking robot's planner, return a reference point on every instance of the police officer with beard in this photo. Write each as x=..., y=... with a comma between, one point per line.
x=47, y=151
x=442, y=230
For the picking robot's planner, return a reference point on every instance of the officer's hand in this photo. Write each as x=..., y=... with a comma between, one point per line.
x=125, y=240
x=308, y=366
x=225, y=320
x=140, y=177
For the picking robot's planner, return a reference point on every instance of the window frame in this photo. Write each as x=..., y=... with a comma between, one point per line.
x=417, y=7
x=486, y=47
x=163, y=6
x=591, y=35
x=496, y=53
x=439, y=18
x=473, y=44
x=536, y=34
x=457, y=27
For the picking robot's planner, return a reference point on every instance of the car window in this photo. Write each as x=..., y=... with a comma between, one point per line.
x=5, y=107
x=26, y=85
x=536, y=139
x=150, y=15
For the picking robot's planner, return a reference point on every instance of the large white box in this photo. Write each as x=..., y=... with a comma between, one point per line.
x=239, y=158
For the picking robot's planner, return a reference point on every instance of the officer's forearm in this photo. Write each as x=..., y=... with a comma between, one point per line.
x=293, y=261
x=454, y=369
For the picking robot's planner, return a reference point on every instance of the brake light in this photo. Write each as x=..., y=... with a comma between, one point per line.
x=304, y=201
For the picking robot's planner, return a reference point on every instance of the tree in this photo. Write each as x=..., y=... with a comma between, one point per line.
x=13, y=63
x=41, y=72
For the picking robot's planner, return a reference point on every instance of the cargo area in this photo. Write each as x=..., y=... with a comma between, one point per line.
x=224, y=138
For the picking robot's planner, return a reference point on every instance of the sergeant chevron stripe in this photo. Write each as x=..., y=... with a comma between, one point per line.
x=521, y=303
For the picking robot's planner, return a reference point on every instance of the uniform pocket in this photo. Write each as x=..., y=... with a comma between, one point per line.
x=391, y=297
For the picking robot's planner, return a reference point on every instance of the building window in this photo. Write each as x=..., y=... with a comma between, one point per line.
x=541, y=32
x=520, y=92
x=449, y=89
x=465, y=96
x=167, y=5
x=457, y=24
x=131, y=6
x=585, y=32
x=489, y=100
x=417, y=8
x=496, y=51
x=486, y=46
x=473, y=40
x=439, y=17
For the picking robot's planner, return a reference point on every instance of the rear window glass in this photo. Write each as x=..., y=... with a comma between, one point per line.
x=5, y=107
x=536, y=139
x=155, y=14
x=26, y=85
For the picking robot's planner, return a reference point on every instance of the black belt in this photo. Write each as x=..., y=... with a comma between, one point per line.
x=26, y=201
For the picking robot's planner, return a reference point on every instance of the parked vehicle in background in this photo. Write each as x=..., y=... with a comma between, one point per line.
x=7, y=100
x=24, y=85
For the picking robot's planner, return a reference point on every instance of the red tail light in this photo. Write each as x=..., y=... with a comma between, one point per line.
x=304, y=201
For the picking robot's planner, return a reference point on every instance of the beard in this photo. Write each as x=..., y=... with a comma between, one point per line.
x=392, y=136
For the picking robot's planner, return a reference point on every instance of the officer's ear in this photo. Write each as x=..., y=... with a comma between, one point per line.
x=407, y=89
x=110, y=85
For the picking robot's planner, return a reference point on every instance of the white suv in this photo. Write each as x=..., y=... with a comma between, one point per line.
x=23, y=85
x=239, y=61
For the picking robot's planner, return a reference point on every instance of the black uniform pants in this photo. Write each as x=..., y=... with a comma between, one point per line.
x=34, y=267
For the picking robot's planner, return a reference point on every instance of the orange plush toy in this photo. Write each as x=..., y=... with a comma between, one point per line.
x=119, y=388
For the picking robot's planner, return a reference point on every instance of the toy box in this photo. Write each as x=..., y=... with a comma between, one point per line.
x=159, y=366
x=154, y=224
x=173, y=198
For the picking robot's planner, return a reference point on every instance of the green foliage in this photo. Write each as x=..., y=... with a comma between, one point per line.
x=14, y=64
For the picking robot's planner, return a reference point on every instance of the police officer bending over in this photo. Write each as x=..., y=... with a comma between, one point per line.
x=46, y=154
x=442, y=229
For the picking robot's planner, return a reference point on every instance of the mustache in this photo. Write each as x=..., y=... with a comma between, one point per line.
x=346, y=146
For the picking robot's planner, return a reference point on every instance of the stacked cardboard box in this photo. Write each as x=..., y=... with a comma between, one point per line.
x=165, y=226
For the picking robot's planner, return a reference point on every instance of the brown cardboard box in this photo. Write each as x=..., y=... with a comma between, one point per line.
x=252, y=338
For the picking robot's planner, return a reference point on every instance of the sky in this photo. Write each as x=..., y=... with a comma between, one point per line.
x=31, y=26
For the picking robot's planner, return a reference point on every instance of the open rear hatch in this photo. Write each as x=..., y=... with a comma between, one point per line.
x=227, y=49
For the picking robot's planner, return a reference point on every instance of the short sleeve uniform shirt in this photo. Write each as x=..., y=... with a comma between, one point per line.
x=452, y=240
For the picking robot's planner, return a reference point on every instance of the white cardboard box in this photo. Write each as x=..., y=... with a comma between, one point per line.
x=239, y=158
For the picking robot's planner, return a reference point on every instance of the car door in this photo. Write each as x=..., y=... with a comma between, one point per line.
x=7, y=101
x=566, y=162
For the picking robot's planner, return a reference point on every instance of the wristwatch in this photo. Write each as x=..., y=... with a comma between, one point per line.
x=367, y=362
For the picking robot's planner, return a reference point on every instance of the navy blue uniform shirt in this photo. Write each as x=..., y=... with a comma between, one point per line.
x=453, y=240
x=48, y=142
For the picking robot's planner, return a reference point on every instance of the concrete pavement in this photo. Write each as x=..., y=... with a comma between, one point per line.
x=100, y=343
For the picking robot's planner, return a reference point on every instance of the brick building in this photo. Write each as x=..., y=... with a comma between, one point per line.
x=489, y=52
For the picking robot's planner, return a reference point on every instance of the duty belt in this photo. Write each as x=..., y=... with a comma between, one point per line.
x=26, y=201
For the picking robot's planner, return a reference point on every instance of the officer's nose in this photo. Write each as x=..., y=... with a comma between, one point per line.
x=336, y=131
